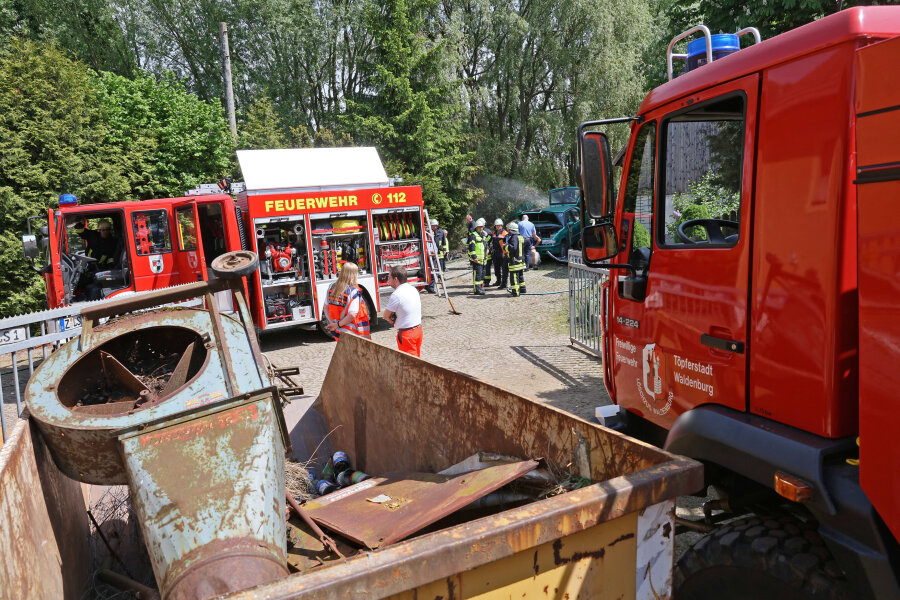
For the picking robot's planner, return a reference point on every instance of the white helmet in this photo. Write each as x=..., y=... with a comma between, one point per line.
x=479, y=223
x=513, y=228
x=433, y=222
x=498, y=221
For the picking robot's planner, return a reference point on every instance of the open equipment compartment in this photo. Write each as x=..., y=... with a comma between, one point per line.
x=284, y=270
x=398, y=242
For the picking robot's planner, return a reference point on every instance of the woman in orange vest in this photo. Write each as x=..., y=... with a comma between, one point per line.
x=346, y=307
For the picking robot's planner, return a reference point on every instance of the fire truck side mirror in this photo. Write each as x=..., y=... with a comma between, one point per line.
x=599, y=242
x=595, y=174
x=30, y=247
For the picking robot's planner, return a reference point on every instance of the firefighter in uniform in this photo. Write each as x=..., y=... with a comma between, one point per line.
x=498, y=244
x=488, y=258
x=515, y=258
x=442, y=243
x=101, y=244
x=477, y=252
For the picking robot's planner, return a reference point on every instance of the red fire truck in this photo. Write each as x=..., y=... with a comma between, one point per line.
x=752, y=314
x=303, y=211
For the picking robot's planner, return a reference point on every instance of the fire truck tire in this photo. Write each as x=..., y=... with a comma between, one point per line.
x=776, y=558
x=370, y=308
x=233, y=265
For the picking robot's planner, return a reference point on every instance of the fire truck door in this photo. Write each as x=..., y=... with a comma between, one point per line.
x=878, y=190
x=680, y=324
x=190, y=263
x=57, y=288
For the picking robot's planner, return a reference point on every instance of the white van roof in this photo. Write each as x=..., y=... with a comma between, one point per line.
x=311, y=169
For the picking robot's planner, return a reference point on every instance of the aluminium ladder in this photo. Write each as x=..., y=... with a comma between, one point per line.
x=434, y=263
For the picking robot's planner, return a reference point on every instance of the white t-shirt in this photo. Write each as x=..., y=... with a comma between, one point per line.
x=407, y=305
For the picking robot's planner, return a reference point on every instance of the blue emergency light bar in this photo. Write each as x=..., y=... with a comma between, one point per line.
x=68, y=200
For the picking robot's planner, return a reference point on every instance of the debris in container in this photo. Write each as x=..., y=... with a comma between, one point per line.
x=326, y=541
x=539, y=483
x=414, y=501
x=348, y=477
x=298, y=479
x=569, y=484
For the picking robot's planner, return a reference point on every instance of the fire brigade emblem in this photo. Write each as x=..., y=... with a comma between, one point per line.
x=653, y=387
x=376, y=198
x=156, y=263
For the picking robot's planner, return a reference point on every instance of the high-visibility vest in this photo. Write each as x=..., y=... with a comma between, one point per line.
x=476, y=247
x=337, y=310
x=443, y=245
x=498, y=240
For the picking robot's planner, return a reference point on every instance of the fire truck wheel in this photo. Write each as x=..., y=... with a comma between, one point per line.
x=776, y=558
x=232, y=265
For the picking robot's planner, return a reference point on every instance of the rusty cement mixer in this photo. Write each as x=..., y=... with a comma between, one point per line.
x=176, y=403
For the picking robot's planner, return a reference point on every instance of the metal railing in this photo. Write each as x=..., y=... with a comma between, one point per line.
x=586, y=304
x=25, y=341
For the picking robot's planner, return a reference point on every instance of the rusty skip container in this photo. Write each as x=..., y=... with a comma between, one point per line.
x=394, y=412
x=391, y=411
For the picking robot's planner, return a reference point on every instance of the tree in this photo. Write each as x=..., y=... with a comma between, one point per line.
x=85, y=28
x=53, y=139
x=261, y=128
x=184, y=140
x=409, y=109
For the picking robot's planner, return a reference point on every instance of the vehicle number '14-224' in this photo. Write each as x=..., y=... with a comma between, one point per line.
x=396, y=198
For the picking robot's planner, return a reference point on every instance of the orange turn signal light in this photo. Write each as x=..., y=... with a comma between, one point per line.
x=792, y=488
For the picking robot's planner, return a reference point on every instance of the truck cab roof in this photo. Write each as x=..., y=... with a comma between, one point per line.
x=859, y=23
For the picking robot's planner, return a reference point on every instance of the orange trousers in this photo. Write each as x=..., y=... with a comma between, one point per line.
x=410, y=341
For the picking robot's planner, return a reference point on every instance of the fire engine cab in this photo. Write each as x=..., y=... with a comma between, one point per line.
x=305, y=212
x=751, y=317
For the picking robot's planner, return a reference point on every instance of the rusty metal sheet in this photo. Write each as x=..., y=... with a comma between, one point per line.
x=397, y=505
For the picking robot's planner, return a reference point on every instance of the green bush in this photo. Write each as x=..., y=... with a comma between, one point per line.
x=704, y=200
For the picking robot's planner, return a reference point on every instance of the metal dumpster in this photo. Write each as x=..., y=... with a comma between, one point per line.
x=391, y=411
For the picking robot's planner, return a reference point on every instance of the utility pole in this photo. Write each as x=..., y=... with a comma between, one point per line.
x=226, y=69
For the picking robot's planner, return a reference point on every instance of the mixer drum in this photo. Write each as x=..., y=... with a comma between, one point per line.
x=138, y=369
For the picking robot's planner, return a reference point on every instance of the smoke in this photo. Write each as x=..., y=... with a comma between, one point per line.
x=504, y=198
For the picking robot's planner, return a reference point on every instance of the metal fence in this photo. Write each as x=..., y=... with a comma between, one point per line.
x=586, y=304
x=25, y=341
